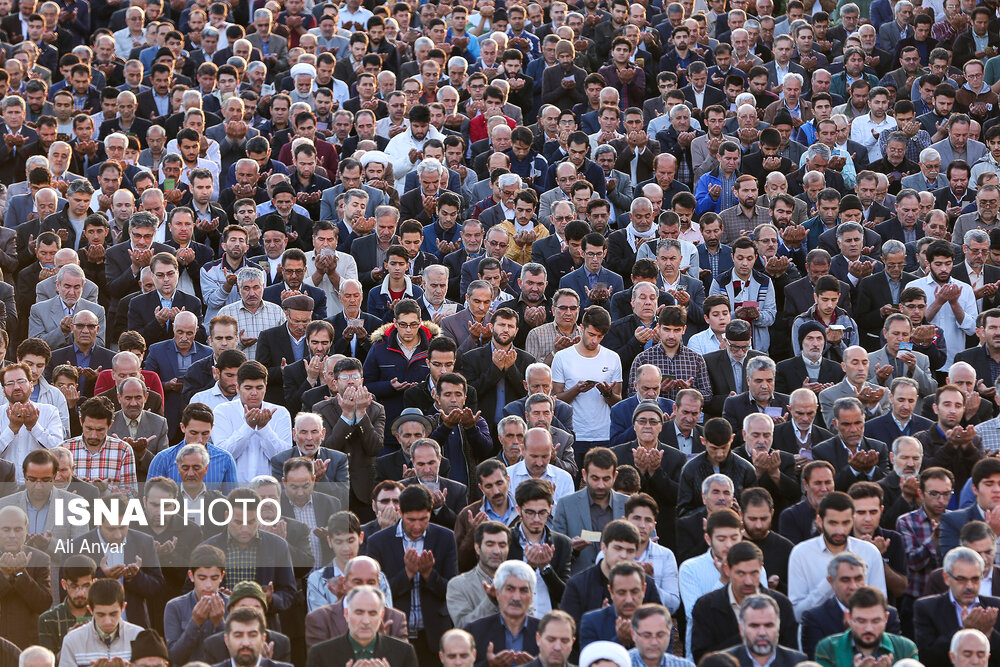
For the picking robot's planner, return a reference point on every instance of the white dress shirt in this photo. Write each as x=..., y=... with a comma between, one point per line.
x=559, y=477
x=46, y=434
x=807, y=583
x=252, y=448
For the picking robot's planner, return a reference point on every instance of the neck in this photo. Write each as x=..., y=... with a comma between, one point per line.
x=833, y=548
x=194, y=489
x=39, y=504
x=513, y=623
x=566, y=330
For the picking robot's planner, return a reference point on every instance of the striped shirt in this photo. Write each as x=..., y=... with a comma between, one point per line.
x=269, y=315
x=85, y=645
x=684, y=365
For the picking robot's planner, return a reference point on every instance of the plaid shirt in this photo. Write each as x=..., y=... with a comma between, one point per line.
x=241, y=562
x=307, y=515
x=416, y=619
x=989, y=431
x=55, y=623
x=685, y=364
x=114, y=461
x=913, y=147
x=735, y=222
x=541, y=341
x=267, y=316
x=921, y=552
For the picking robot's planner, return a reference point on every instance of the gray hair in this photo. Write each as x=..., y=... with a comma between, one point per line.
x=354, y=193
x=845, y=227
x=957, y=639
x=906, y=440
x=758, y=603
x=757, y=416
x=249, y=274
x=123, y=356
x=303, y=416
x=263, y=14
x=847, y=557
x=816, y=150
x=517, y=569
x=534, y=269
x=509, y=179
x=38, y=652
x=846, y=403
x=965, y=555
x=798, y=77
x=263, y=480
x=929, y=153
x=70, y=270
x=813, y=176
x=892, y=246
x=511, y=419
x=192, y=448
x=117, y=136
x=385, y=209
x=80, y=185
x=429, y=164
x=717, y=478
x=761, y=363
x=640, y=202
x=537, y=366
x=426, y=442
x=666, y=244
x=12, y=101
x=478, y=284
x=364, y=590
x=974, y=235
x=435, y=268
x=678, y=108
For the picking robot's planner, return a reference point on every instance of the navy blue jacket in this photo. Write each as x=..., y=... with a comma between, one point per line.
x=386, y=361
x=273, y=294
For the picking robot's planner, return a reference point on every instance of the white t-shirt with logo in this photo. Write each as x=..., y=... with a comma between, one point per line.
x=591, y=413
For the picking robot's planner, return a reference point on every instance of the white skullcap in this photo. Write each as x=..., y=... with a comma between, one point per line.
x=303, y=68
x=603, y=650
x=375, y=156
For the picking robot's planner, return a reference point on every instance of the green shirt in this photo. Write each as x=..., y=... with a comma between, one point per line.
x=363, y=652
x=839, y=650
x=55, y=623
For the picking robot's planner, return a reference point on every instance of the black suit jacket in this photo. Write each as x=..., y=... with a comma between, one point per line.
x=273, y=345
x=791, y=373
x=390, y=466
x=711, y=96
x=833, y=450
x=662, y=485
x=558, y=573
x=202, y=256
x=342, y=346
x=785, y=657
x=800, y=297
x=198, y=377
x=736, y=408
x=100, y=357
x=337, y=652
x=387, y=549
x=146, y=585
x=491, y=630
x=873, y=293
x=978, y=358
x=934, y=623
x=785, y=439
x=478, y=363
x=118, y=271
x=216, y=654
x=828, y=619
x=798, y=522
x=720, y=374
x=715, y=624
x=142, y=315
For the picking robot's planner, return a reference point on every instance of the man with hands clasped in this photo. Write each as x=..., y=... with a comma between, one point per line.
x=897, y=358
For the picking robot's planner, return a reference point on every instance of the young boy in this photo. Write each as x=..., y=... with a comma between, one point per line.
x=717, y=314
x=328, y=586
x=190, y=618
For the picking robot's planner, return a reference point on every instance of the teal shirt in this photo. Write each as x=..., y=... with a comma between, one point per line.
x=839, y=650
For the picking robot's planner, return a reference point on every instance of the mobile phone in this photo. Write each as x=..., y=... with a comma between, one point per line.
x=805, y=453
x=598, y=286
x=750, y=304
x=449, y=309
x=906, y=347
x=837, y=327
x=356, y=322
x=773, y=411
x=669, y=377
x=328, y=252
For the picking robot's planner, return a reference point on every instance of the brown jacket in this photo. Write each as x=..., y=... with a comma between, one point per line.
x=328, y=622
x=362, y=443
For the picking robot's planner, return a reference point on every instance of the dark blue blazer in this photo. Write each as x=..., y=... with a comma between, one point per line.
x=142, y=315
x=100, y=357
x=893, y=229
x=599, y=625
x=884, y=428
x=934, y=623
x=490, y=630
x=146, y=585
x=798, y=522
x=828, y=619
x=951, y=526
x=162, y=360
x=725, y=257
x=273, y=294
x=387, y=549
x=276, y=567
x=621, y=419
x=576, y=280
x=588, y=590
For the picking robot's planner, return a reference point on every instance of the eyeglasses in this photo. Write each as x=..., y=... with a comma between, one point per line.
x=407, y=325
x=350, y=376
x=84, y=326
x=739, y=348
x=294, y=272
x=15, y=383
x=532, y=514
x=566, y=308
x=498, y=244
x=594, y=255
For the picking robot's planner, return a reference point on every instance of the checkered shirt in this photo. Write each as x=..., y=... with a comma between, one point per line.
x=267, y=316
x=541, y=340
x=685, y=364
x=241, y=562
x=921, y=552
x=735, y=222
x=114, y=461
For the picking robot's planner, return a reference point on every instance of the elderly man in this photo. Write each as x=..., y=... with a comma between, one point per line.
x=146, y=432
x=853, y=455
x=364, y=609
x=25, y=425
x=52, y=320
x=171, y=360
x=252, y=312
x=930, y=177
x=125, y=365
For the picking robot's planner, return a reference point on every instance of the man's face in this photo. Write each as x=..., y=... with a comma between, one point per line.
x=836, y=526
x=757, y=521
x=963, y=580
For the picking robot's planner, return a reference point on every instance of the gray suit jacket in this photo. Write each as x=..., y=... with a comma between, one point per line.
x=843, y=389
x=327, y=210
x=46, y=290
x=276, y=45
x=43, y=321
x=974, y=149
x=621, y=196
x=456, y=327
x=922, y=373
x=918, y=183
x=545, y=203
x=151, y=426
x=701, y=160
x=480, y=191
x=8, y=252
x=572, y=516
